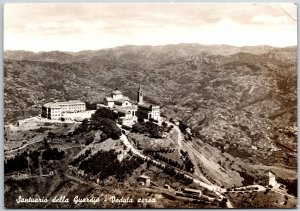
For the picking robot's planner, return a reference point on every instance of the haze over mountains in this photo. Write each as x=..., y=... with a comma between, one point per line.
x=224, y=50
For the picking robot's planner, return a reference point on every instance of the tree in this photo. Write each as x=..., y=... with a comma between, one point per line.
x=139, y=128
x=53, y=154
x=223, y=202
x=140, y=120
x=103, y=112
x=46, y=143
x=89, y=139
x=51, y=135
x=108, y=127
x=91, y=106
x=182, y=127
x=103, y=136
x=154, y=132
x=18, y=163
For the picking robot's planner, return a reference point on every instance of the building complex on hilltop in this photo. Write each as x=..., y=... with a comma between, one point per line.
x=129, y=110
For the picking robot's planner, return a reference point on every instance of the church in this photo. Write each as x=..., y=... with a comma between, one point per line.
x=129, y=110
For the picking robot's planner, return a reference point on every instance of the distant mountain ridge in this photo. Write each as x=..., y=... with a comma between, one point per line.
x=64, y=57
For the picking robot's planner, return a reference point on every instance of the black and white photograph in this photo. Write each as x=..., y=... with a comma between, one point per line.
x=150, y=105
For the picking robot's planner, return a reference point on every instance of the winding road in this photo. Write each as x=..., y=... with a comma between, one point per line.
x=213, y=188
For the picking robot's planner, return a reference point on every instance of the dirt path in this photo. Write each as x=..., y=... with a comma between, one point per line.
x=70, y=147
x=80, y=181
x=23, y=146
x=179, y=138
x=179, y=135
x=29, y=177
x=8, y=156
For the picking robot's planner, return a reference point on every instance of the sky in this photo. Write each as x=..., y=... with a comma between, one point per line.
x=77, y=27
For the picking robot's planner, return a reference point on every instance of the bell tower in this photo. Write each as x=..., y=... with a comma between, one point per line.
x=140, y=96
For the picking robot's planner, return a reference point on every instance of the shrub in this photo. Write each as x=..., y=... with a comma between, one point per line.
x=291, y=185
x=151, y=128
x=108, y=127
x=89, y=140
x=103, y=136
x=53, y=154
x=126, y=127
x=18, y=163
x=104, y=113
x=140, y=120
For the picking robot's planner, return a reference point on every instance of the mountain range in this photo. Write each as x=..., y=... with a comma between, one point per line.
x=227, y=95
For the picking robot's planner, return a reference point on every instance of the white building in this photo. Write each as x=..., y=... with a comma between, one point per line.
x=121, y=105
x=272, y=180
x=57, y=109
x=147, y=111
x=130, y=110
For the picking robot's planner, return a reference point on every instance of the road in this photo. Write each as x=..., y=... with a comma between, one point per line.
x=179, y=137
x=192, y=152
x=214, y=188
x=260, y=188
x=124, y=139
x=181, y=142
x=8, y=156
x=80, y=181
x=15, y=176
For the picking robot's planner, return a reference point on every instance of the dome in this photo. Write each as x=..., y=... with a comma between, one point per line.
x=117, y=92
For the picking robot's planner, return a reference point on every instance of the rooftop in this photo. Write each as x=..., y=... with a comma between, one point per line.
x=116, y=92
x=58, y=104
x=122, y=100
x=109, y=99
x=191, y=190
x=144, y=176
x=125, y=109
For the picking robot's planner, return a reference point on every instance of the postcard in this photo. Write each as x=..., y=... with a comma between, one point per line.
x=166, y=105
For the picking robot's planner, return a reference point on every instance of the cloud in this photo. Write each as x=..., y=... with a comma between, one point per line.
x=267, y=19
x=76, y=27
